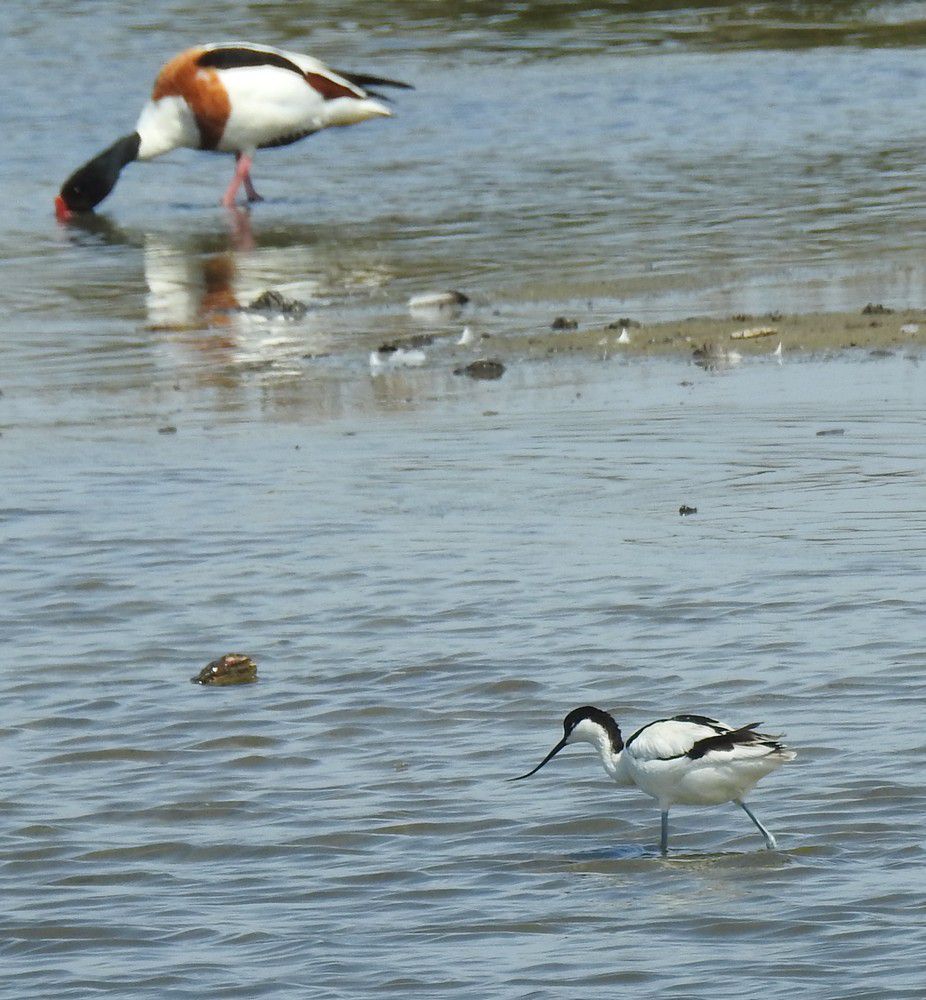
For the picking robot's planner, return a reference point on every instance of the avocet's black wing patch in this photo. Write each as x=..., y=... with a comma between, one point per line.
x=744, y=736
x=703, y=720
x=697, y=720
x=237, y=56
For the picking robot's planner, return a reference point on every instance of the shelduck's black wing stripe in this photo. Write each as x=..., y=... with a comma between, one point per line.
x=234, y=57
x=287, y=140
x=365, y=80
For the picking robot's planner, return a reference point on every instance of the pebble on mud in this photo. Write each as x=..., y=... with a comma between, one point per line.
x=232, y=668
x=413, y=342
x=483, y=368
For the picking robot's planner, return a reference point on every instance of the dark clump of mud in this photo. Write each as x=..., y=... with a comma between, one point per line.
x=412, y=343
x=483, y=368
x=232, y=668
x=274, y=303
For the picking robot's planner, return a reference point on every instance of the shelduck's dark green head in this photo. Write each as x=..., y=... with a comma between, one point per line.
x=92, y=182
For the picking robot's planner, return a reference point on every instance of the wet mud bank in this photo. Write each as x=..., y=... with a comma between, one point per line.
x=875, y=328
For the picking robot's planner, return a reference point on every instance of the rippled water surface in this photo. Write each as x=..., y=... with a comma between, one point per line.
x=431, y=571
x=426, y=595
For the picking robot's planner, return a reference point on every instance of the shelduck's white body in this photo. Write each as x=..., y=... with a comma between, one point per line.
x=243, y=108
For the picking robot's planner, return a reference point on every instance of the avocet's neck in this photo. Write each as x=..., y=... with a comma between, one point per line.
x=605, y=737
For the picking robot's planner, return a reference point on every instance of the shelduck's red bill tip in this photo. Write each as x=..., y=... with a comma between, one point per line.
x=62, y=212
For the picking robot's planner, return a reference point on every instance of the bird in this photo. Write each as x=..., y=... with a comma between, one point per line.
x=234, y=97
x=686, y=759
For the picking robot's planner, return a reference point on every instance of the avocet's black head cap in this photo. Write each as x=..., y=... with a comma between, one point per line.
x=576, y=716
x=599, y=717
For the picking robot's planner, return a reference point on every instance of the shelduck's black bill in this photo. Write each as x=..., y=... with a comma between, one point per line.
x=559, y=746
x=92, y=182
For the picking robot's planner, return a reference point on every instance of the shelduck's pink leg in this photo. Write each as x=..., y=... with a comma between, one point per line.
x=249, y=188
x=242, y=176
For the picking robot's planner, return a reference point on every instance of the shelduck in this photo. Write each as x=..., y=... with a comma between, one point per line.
x=688, y=759
x=229, y=98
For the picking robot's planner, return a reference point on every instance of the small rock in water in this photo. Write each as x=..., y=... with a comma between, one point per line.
x=167, y=429
x=232, y=668
x=713, y=357
x=277, y=304
x=484, y=368
x=564, y=323
x=684, y=510
x=831, y=432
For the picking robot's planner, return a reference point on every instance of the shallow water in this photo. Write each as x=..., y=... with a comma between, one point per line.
x=652, y=160
x=431, y=571
x=343, y=827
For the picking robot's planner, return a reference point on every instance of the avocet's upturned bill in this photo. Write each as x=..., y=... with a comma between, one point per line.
x=688, y=759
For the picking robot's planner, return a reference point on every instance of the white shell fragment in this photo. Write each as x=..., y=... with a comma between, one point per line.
x=399, y=358
x=437, y=302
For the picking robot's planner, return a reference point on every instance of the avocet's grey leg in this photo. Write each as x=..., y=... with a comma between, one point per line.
x=770, y=841
x=664, y=839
